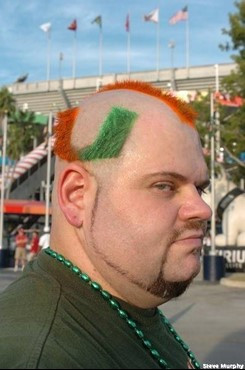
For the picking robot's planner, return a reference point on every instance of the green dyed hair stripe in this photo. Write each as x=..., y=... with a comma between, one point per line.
x=111, y=137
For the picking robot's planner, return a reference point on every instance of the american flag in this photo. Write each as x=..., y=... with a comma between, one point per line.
x=181, y=15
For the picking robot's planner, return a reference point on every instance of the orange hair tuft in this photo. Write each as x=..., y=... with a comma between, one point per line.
x=63, y=131
x=181, y=108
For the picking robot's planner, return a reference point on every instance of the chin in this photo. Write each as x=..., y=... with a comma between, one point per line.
x=183, y=273
x=190, y=269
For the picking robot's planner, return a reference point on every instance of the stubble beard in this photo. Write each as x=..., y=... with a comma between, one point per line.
x=161, y=287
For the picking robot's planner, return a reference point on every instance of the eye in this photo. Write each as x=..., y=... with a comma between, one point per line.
x=164, y=187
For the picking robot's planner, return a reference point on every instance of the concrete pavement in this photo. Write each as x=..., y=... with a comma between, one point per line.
x=210, y=318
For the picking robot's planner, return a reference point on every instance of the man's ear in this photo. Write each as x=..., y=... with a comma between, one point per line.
x=72, y=186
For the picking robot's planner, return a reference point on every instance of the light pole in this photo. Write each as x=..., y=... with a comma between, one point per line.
x=47, y=212
x=5, y=126
x=171, y=45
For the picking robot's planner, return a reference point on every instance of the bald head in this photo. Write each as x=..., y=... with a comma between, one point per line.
x=104, y=121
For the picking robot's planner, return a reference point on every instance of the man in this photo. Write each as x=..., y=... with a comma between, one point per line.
x=44, y=241
x=20, y=251
x=34, y=247
x=127, y=227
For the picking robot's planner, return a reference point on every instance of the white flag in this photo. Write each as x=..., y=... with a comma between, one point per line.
x=46, y=27
x=152, y=16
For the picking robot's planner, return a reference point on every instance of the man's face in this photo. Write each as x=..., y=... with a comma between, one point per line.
x=148, y=218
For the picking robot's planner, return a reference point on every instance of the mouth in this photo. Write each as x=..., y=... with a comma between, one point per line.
x=193, y=242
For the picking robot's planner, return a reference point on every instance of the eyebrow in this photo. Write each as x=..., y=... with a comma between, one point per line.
x=177, y=176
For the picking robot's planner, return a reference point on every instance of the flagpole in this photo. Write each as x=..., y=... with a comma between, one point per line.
x=158, y=44
x=129, y=52
x=74, y=55
x=48, y=54
x=100, y=51
x=5, y=125
x=187, y=45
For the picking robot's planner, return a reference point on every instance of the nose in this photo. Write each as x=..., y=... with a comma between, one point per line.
x=194, y=208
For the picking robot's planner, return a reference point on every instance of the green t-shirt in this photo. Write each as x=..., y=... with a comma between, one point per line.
x=50, y=319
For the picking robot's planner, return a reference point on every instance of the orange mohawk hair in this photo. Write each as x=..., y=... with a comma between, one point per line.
x=63, y=131
x=181, y=108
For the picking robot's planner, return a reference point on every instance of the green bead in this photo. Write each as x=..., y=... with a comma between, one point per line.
x=177, y=338
x=67, y=263
x=123, y=314
x=105, y=295
x=191, y=355
x=172, y=330
x=76, y=270
x=132, y=324
x=139, y=333
x=154, y=353
x=53, y=254
x=60, y=258
x=162, y=362
x=147, y=343
x=196, y=364
x=95, y=286
x=85, y=277
x=186, y=348
x=114, y=304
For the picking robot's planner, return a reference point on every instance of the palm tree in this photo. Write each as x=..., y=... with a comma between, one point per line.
x=7, y=102
x=22, y=131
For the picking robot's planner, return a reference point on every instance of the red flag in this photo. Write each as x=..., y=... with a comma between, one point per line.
x=73, y=25
x=127, y=24
x=225, y=99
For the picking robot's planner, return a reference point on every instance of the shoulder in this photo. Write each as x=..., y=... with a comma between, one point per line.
x=28, y=308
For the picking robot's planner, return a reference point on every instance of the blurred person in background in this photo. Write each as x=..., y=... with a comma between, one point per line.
x=34, y=247
x=20, y=249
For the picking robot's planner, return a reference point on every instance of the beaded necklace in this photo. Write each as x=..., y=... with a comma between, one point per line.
x=125, y=316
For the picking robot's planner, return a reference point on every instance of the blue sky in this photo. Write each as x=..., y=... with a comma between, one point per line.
x=23, y=46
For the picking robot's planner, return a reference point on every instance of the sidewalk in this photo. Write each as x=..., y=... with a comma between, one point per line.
x=210, y=317
x=7, y=276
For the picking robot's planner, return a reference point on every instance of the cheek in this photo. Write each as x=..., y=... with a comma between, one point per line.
x=136, y=228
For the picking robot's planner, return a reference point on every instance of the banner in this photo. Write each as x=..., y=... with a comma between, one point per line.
x=234, y=257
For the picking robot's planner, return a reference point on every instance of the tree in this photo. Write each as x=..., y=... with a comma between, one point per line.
x=7, y=102
x=232, y=120
x=22, y=130
x=233, y=128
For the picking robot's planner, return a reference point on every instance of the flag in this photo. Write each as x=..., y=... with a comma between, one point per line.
x=226, y=99
x=152, y=16
x=22, y=78
x=98, y=20
x=127, y=24
x=73, y=25
x=181, y=15
x=46, y=27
